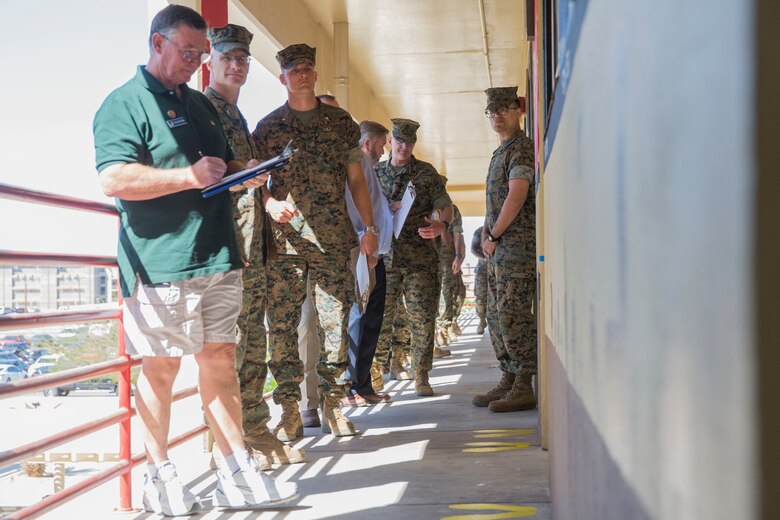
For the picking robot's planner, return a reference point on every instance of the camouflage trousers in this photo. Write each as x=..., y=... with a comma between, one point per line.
x=511, y=294
x=448, y=291
x=460, y=294
x=333, y=290
x=480, y=289
x=251, y=351
x=419, y=287
x=402, y=335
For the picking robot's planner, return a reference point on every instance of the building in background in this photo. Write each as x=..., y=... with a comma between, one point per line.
x=34, y=289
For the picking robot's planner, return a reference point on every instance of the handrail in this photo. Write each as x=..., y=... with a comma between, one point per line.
x=17, y=193
x=54, y=260
x=41, y=319
x=66, y=376
x=9, y=457
x=119, y=469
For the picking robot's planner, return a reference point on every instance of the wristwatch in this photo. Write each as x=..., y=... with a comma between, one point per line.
x=491, y=238
x=458, y=255
x=372, y=229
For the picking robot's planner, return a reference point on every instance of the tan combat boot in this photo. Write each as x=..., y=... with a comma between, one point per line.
x=451, y=334
x=456, y=328
x=482, y=326
x=441, y=352
x=280, y=453
x=376, y=377
x=333, y=421
x=520, y=397
x=421, y=386
x=443, y=336
x=290, y=426
x=217, y=461
x=397, y=369
x=504, y=386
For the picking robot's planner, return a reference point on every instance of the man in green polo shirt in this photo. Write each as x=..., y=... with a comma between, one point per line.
x=157, y=144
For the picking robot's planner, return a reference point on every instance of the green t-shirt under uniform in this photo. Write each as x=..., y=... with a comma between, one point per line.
x=181, y=235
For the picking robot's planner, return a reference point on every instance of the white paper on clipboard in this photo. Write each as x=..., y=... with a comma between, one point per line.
x=362, y=274
x=406, y=204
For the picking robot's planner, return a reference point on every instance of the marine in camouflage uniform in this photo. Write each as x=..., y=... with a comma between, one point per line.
x=412, y=265
x=230, y=53
x=316, y=243
x=449, y=280
x=512, y=264
x=480, y=281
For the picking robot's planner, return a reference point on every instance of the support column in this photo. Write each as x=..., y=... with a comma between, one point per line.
x=341, y=63
x=216, y=14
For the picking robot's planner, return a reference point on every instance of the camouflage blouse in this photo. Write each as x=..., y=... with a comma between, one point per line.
x=514, y=159
x=248, y=208
x=410, y=249
x=314, y=180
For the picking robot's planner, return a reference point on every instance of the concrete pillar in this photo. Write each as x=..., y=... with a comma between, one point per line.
x=341, y=63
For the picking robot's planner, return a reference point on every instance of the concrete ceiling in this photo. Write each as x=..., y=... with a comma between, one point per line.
x=424, y=60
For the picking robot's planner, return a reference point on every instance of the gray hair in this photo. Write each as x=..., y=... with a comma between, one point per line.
x=172, y=17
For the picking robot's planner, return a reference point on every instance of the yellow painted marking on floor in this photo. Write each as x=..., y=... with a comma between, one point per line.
x=505, y=511
x=486, y=447
x=499, y=435
x=527, y=431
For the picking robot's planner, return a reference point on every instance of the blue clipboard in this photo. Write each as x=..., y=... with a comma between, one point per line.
x=275, y=163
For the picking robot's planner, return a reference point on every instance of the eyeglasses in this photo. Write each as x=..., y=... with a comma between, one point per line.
x=189, y=55
x=240, y=61
x=498, y=112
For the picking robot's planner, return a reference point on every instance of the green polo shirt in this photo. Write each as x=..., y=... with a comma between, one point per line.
x=177, y=236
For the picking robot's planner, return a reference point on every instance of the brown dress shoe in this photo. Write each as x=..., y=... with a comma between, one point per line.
x=374, y=398
x=310, y=418
x=354, y=400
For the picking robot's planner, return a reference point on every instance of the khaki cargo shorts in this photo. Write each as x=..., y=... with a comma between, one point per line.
x=175, y=319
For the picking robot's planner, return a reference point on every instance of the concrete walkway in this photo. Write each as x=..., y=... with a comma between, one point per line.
x=414, y=458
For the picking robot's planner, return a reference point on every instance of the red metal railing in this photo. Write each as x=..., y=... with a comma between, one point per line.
x=122, y=365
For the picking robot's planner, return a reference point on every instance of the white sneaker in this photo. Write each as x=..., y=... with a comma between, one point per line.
x=247, y=488
x=165, y=494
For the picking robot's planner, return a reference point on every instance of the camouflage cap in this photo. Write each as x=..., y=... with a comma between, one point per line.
x=230, y=37
x=405, y=130
x=501, y=97
x=292, y=54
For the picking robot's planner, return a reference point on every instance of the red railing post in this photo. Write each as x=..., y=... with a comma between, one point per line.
x=126, y=478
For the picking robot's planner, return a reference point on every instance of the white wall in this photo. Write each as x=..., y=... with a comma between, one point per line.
x=648, y=253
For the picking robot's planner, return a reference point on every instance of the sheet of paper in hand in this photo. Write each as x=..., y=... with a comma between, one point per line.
x=406, y=204
x=280, y=161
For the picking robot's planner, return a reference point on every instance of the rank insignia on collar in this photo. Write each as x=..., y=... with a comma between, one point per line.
x=171, y=113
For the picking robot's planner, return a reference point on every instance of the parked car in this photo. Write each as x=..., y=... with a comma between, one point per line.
x=12, y=359
x=11, y=373
x=91, y=384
